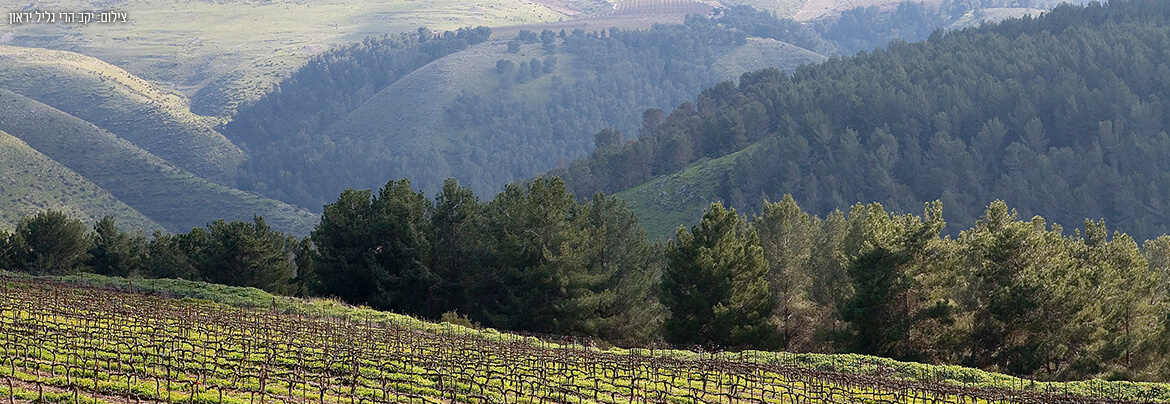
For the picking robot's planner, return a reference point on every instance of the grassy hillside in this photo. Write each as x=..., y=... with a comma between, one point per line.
x=245, y=343
x=679, y=199
x=759, y=53
x=223, y=52
x=410, y=112
x=172, y=197
x=32, y=183
x=115, y=100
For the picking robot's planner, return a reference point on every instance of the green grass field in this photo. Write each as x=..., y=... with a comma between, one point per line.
x=32, y=183
x=168, y=195
x=77, y=339
x=111, y=98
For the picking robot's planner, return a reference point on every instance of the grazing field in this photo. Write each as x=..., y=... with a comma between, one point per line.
x=32, y=183
x=68, y=343
x=111, y=98
x=168, y=195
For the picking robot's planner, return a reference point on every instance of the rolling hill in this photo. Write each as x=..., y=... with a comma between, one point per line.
x=117, y=101
x=419, y=122
x=32, y=183
x=504, y=109
x=222, y=53
x=168, y=195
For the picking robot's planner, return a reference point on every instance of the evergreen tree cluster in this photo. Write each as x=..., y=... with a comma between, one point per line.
x=1059, y=115
x=230, y=253
x=532, y=259
x=1016, y=296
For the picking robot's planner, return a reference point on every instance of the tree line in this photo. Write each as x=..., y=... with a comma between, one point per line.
x=1059, y=115
x=1010, y=294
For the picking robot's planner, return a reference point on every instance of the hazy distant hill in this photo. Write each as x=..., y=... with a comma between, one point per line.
x=132, y=108
x=32, y=183
x=220, y=53
x=168, y=195
x=498, y=111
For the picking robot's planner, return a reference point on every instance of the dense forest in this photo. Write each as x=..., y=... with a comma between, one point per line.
x=1010, y=294
x=1059, y=115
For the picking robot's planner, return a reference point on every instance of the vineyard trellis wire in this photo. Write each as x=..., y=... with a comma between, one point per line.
x=110, y=345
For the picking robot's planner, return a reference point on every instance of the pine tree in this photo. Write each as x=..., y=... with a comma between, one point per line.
x=888, y=302
x=115, y=252
x=786, y=235
x=375, y=250
x=525, y=226
x=50, y=243
x=456, y=220
x=715, y=284
x=614, y=295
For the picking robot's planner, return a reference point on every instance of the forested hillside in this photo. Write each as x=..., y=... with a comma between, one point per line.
x=535, y=104
x=1059, y=115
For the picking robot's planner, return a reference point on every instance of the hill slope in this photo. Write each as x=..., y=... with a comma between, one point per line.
x=168, y=195
x=119, y=102
x=1009, y=111
x=504, y=110
x=32, y=183
x=221, y=53
x=326, y=352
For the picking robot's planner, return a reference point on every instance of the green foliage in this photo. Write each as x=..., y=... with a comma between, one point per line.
x=50, y=243
x=884, y=308
x=232, y=253
x=1011, y=110
x=786, y=236
x=377, y=250
x=536, y=241
x=115, y=252
x=246, y=254
x=610, y=289
x=715, y=286
x=531, y=259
